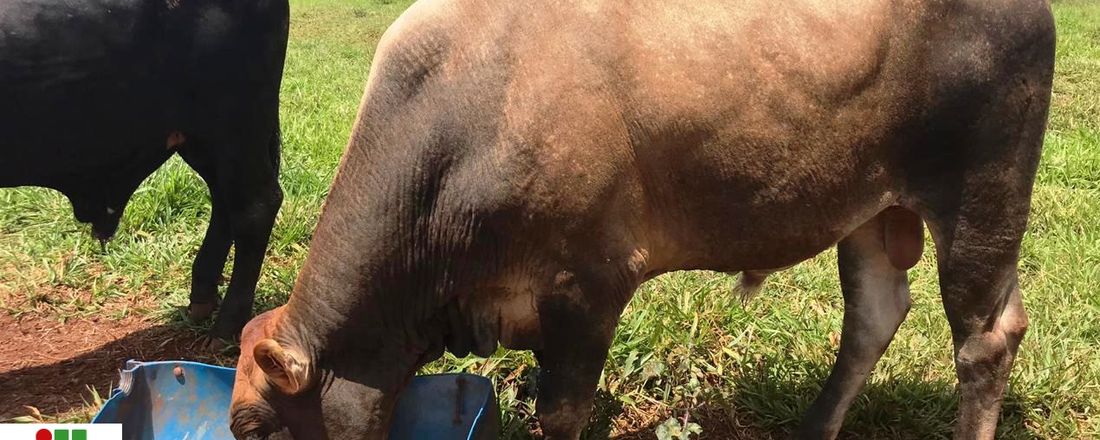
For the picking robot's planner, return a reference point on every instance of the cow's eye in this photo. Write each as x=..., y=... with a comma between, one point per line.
x=254, y=432
x=254, y=435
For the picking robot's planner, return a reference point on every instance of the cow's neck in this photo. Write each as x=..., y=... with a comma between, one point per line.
x=380, y=268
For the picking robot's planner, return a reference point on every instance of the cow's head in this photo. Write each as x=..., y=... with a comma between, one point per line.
x=100, y=196
x=103, y=216
x=284, y=392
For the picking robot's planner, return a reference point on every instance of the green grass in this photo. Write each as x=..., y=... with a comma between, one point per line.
x=686, y=343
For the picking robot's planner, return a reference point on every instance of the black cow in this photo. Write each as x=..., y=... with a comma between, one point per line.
x=97, y=94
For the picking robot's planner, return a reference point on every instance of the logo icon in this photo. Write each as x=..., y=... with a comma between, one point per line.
x=60, y=431
x=61, y=434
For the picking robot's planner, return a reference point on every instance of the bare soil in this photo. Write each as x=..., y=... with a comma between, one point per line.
x=49, y=365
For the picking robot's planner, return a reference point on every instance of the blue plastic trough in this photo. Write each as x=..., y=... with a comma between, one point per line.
x=157, y=401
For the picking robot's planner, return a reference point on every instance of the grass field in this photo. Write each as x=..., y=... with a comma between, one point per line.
x=686, y=346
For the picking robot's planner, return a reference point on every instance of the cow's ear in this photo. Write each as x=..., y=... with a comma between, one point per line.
x=286, y=370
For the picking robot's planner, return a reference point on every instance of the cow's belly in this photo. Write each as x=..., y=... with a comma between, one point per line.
x=752, y=238
x=740, y=201
x=44, y=159
x=57, y=130
x=765, y=181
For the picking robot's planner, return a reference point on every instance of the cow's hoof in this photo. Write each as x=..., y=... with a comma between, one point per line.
x=197, y=312
x=213, y=344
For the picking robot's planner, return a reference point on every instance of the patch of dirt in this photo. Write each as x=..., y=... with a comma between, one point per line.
x=718, y=421
x=49, y=364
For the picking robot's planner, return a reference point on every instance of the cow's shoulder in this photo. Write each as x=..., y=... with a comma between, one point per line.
x=425, y=30
x=450, y=53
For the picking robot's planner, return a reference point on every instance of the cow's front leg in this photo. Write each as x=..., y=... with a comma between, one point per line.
x=876, y=300
x=578, y=322
x=206, y=271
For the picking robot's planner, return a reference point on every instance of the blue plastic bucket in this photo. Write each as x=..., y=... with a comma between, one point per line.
x=155, y=401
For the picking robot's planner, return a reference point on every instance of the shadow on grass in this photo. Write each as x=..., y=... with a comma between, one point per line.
x=62, y=388
x=763, y=408
x=749, y=406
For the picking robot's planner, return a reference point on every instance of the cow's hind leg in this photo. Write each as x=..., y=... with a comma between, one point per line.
x=977, y=249
x=206, y=271
x=977, y=210
x=251, y=188
x=578, y=321
x=876, y=300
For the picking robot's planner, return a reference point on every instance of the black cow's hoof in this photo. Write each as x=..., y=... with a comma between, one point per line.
x=198, y=312
x=213, y=344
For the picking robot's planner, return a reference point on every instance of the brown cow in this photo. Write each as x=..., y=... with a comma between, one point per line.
x=518, y=169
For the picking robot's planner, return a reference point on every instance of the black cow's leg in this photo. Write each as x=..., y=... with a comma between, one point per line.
x=876, y=300
x=206, y=271
x=253, y=198
x=577, y=324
